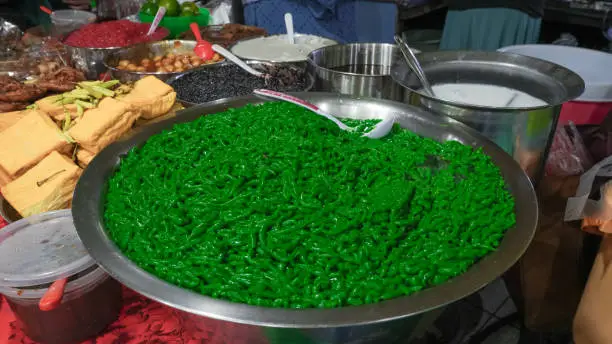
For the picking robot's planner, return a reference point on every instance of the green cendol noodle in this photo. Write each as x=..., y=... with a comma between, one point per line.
x=275, y=206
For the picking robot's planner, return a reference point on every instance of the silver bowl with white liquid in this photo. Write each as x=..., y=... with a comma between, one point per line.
x=525, y=132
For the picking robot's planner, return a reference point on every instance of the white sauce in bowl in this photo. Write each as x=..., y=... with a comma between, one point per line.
x=486, y=95
x=277, y=48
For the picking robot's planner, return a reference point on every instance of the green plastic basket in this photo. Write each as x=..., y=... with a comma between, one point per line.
x=178, y=25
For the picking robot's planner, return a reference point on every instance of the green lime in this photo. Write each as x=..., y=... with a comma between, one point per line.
x=190, y=7
x=172, y=7
x=149, y=9
x=187, y=13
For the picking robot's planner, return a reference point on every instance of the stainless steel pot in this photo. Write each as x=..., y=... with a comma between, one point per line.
x=524, y=133
x=360, y=70
x=148, y=50
x=384, y=322
x=90, y=60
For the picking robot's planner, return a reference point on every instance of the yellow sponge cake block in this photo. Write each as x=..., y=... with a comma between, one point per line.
x=152, y=96
x=47, y=186
x=8, y=119
x=103, y=125
x=28, y=141
x=56, y=111
x=84, y=157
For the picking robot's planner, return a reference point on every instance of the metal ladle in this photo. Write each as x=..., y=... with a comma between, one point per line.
x=414, y=64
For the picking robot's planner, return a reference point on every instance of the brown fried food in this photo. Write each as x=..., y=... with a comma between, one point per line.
x=9, y=84
x=12, y=106
x=61, y=80
x=24, y=94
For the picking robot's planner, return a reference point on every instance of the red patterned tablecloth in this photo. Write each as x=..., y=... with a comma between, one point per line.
x=141, y=321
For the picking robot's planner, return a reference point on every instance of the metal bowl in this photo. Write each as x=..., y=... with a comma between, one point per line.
x=258, y=65
x=524, y=133
x=91, y=60
x=148, y=50
x=383, y=322
x=298, y=62
x=360, y=69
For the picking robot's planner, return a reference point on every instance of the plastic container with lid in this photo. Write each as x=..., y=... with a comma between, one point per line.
x=37, y=251
x=65, y=21
x=591, y=65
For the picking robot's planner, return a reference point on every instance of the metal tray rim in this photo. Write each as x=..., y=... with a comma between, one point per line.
x=87, y=211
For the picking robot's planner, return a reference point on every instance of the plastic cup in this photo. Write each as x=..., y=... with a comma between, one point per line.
x=66, y=21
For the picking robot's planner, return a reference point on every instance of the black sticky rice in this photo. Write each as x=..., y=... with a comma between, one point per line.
x=231, y=81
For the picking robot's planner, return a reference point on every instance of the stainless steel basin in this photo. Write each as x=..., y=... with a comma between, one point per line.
x=524, y=133
x=360, y=70
x=384, y=322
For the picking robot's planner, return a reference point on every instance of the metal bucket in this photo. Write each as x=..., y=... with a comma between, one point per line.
x=524, y=133
x=384, y=322
x=360, y=70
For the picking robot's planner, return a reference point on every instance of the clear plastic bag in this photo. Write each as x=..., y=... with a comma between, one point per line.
x=568, y=154
x=220, y=11
x=44, y=57
x=10, y=39
x=117, y=9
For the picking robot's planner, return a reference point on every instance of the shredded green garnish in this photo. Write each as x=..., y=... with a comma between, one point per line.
x=67, y=137
x=275, y=206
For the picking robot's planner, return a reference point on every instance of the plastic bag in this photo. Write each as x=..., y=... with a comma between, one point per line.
x=568, y=155
x=220, y=11
x=10, y=38
x=117, y=9
x=45, y=56
x=581, y=206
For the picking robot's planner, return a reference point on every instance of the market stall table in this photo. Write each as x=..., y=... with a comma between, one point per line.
x=141, y=321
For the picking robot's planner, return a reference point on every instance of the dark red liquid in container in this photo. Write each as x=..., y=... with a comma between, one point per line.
x=92, y=301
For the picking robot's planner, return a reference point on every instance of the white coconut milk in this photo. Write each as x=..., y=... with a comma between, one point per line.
x=486, y=95
x=277, y=48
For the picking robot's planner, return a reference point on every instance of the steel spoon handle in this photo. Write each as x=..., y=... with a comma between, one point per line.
x=228, y=55
x=414, y=64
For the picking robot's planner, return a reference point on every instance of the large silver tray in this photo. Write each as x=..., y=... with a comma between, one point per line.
x=88, y=209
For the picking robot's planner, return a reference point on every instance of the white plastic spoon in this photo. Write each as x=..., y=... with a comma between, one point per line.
x=380, y=130
x=158, y=17
x=228, y=55
x=289, y=26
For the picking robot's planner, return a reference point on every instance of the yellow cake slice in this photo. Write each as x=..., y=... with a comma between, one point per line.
x=103, y=125
x=28, y=141
x=152, y=96
x=47, y=186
